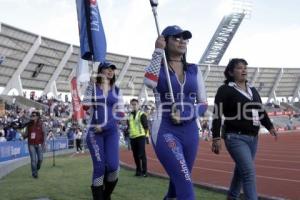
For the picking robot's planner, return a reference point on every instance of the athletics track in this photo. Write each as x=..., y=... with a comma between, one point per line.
x=277, y=166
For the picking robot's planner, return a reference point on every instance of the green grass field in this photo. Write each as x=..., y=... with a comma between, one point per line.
x=70, y=180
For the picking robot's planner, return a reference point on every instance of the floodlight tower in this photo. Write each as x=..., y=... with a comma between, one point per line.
x=238, y=10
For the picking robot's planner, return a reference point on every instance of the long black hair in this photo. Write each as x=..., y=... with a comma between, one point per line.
x=230, y=67
x=183, y=58
x=99, y=77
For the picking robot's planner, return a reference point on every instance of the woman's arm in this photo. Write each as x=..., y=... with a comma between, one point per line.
x=152, y=71
x=265, y=120
x=120, y=109
x=218, y=112
x=202, y=105
x=263, y=116
x=87, y=101
x=216, y=145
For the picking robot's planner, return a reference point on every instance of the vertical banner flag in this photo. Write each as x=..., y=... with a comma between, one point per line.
x=77, y=107
x=82, y=71
x=2, y=59
x=91, y=32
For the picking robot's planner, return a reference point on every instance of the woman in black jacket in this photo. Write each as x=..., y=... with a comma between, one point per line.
x=240, y=105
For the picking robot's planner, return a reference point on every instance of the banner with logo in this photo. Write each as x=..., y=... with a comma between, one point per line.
x=77, y=107
x=91, y=32
x=16, y=149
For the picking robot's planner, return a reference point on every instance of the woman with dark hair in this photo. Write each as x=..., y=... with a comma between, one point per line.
x=241, y=106
x=105, y=104
x=175, y=130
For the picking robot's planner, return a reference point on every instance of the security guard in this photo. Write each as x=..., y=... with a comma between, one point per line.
x=138, y=127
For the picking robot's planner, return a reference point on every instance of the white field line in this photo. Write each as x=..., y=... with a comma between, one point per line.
x=257, y=166
x=259, y=153
x=230, y=172
x=258, y=157
x=258, y=176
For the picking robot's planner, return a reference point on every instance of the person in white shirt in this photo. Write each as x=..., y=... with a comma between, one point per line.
x=78, y=137
x=2, y=138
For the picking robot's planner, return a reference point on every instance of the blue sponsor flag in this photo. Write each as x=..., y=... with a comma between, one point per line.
x=91, y=32
x=2, y=59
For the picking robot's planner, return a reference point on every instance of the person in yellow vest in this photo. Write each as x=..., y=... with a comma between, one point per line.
x=138, y=127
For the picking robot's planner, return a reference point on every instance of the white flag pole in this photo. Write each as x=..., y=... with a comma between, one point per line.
x=95, y=91
x=154, y=4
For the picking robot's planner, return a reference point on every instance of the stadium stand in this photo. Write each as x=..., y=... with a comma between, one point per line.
x=23, y=53
x=297, y=104
x=23, y=102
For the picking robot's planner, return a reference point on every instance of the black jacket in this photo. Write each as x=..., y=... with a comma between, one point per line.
x=237, y=110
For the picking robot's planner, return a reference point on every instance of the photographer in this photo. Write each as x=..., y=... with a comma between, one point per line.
x=36, y=133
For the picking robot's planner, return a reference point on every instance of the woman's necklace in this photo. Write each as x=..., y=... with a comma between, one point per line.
x=175, y=60
x=105, y=87
x=179, y=75
x=242, y=88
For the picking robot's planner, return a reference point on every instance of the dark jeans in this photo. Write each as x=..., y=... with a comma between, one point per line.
x=139, y=154
x=242, y=149
x=70, y=143
x=78, y=145
x=36, y=157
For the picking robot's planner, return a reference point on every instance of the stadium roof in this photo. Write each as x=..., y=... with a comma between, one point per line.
x=25, y=53
x=47, y=64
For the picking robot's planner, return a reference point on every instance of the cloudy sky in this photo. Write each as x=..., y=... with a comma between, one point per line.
x=269, y=38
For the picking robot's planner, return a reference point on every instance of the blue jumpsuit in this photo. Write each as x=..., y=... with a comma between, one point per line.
x=104, y=146
x=176, y=145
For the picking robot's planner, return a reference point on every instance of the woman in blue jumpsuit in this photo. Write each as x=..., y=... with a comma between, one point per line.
x=103, y=137
x=175, y=130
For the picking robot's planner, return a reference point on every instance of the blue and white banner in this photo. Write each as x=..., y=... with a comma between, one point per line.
x=2, y=59
x=16, y=149
x=91, y=32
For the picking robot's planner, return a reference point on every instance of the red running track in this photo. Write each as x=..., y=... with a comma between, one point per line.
x=277, y=166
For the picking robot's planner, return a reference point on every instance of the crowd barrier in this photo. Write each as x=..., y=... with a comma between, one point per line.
x=16, y=149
